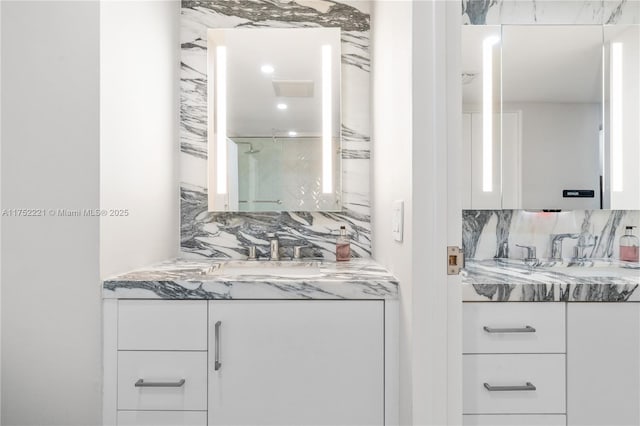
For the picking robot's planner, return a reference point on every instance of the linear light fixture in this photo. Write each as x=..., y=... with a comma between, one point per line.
x=221, y=119
x=327, y=166
x=487, y=112
x=617, y=154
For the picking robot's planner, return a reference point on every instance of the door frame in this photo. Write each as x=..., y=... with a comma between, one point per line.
x=437, y=133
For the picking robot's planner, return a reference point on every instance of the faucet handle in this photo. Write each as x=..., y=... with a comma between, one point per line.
x=252, y=253
x=297, y=251
x=531, y=251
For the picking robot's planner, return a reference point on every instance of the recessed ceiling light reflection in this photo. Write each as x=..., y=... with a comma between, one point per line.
x=293, y=133
x=267, y=69
x=282, y=106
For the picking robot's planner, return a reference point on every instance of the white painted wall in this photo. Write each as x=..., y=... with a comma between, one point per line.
x=0, y=216
x=417, y=104
x=52, y=63
x=139, y=116
x=391, y=164
x=560, y=150
x=51, y=298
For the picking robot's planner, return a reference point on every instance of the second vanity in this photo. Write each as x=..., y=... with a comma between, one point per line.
x=550, y=345
x=222, y=343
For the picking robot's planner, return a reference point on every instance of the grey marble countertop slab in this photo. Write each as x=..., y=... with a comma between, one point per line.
x=506, y=281
x=221, y=279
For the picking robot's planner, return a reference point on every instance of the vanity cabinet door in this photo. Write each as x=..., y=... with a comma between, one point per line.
x=296, y=362
x=603, y=353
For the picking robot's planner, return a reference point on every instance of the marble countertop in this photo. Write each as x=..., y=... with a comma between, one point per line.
x=220, y=279
x=506, y=280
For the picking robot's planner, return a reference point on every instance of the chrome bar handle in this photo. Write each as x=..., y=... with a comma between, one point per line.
x=525, y=329
x=527, y=387
x=217, y=364
x=142, y=384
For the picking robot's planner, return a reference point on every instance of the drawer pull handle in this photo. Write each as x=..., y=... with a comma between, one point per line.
x=525, y=329
x=528, y=387
x=217, y=364
x=142, y=384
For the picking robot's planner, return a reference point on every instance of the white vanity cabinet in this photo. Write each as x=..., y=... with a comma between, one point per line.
x=244, y=362
x=514, y=364
x=296, y=363
x=601, y=385
x=158, y=352
x=603, y=349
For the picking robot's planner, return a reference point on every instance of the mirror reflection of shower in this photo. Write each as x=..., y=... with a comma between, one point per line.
x=259, y=177
x=279, y=170
x=252, y=149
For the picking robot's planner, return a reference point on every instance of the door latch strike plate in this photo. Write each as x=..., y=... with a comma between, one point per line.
x=455, y=260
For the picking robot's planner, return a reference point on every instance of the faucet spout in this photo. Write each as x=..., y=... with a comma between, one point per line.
x=556, y=245
x=530, y=258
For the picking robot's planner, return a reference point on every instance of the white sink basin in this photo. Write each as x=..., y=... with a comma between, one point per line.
x=285, y=269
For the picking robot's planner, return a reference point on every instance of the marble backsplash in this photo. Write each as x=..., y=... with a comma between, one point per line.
x=490, y=234
x=566, y=12
x=227, y=235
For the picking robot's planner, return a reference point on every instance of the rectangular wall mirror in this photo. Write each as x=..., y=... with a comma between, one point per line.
x=274, y=119
x=550, y=117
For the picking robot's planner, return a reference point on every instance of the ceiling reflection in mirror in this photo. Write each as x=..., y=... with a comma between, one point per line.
x=274, y=119
x=565, y=107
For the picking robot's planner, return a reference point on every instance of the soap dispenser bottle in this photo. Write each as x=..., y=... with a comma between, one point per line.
x=629, y=246
x=343, y=246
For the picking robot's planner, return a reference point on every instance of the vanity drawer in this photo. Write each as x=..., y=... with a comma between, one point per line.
x=514, y=420
x=162, y=418
x=162, y=325
x=545, y=372
x=167, y=369
x=518, y=327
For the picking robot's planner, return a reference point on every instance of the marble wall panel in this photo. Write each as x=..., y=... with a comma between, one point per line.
x=227, y=235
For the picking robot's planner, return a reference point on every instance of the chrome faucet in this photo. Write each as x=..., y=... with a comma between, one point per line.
x=556, y=245
x=275, y=246
x=531, y=254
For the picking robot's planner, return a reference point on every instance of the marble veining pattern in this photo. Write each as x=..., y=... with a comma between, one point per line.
x=488, y=234
x=490, y=280
x=227, y=235
x=511, y=293
x=183, y=279
x=473, y=225
x=584, y=12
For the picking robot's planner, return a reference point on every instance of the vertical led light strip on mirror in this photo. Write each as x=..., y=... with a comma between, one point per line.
x=487, y=112
x=327, y=166
x=221, y=119
x=617, y=157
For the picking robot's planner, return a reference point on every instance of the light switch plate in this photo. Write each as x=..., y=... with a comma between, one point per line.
x=397, y=220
